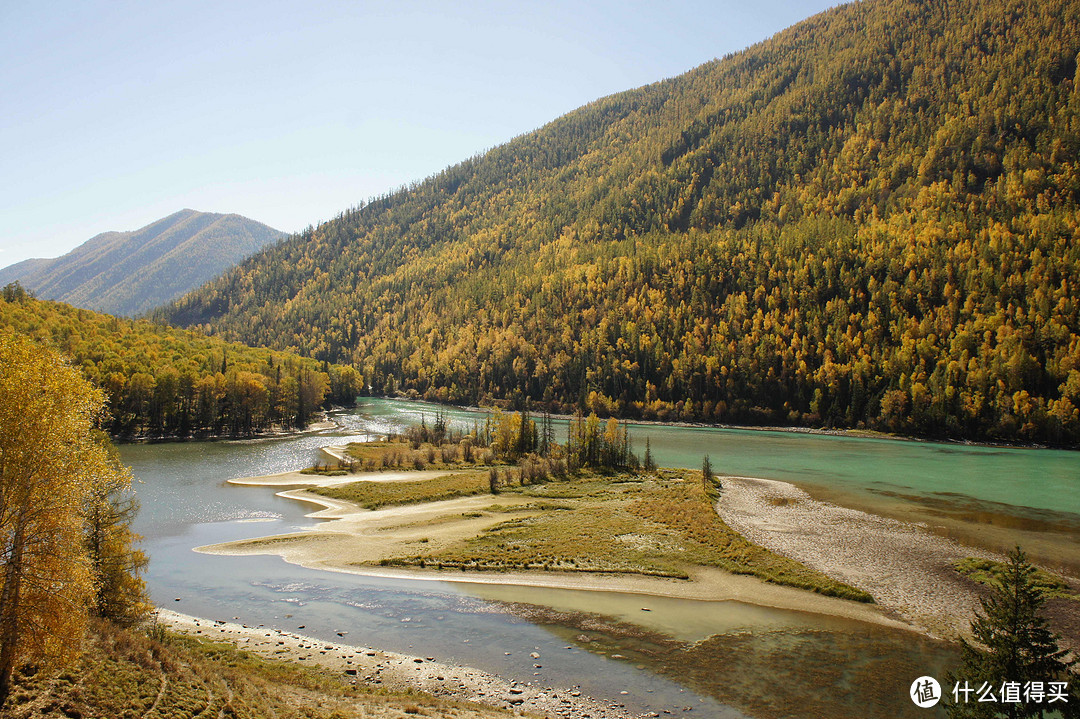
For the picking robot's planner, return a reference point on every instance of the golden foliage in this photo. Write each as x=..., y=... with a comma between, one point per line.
x=161, y=381
x=50, y=463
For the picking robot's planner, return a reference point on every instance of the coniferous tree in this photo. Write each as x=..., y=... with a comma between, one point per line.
x=1012, y=645
x=649, y=462
x=117, y=564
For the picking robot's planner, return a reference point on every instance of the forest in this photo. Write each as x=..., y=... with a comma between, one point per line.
x=868, y=220
x=165, y=382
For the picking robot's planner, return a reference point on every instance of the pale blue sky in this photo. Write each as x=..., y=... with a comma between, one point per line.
x=115, y=114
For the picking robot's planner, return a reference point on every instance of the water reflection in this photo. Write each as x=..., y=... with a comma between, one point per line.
x=837, y=669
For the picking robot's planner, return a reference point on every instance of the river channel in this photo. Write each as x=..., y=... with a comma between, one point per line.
x=711, y=659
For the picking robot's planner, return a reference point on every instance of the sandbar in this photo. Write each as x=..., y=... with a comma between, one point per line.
x=907, y=568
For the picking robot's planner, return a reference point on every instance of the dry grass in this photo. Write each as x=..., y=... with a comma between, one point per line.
x=126, y=674
x=378, y=456
x=657, y=525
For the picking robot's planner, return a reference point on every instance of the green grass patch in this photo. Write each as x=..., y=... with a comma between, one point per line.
x=373, y=495
x=989, y=572
x=653, y=525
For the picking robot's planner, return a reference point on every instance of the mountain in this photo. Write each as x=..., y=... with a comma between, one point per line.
x=12, y=273
x=868, y=220
x=129, y=273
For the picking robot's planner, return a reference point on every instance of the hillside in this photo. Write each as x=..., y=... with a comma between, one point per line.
x=127, y=674
x=166, y=382
x=868, y=220
x=129, y=273
x=12, y=273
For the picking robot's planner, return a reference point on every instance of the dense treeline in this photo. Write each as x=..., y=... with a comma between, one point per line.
x=519, y=438
x=165, y=382
x=868, y=220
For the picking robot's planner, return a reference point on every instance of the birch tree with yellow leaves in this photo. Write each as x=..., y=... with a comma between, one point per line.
x=52, y=463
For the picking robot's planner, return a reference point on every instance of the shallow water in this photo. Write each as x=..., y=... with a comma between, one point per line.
x=186, y=503
x=685, y=620
x=723, y=659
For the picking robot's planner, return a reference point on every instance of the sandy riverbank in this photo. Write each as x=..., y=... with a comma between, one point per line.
x=299, y=478
x=400, y=672
x=354, y=540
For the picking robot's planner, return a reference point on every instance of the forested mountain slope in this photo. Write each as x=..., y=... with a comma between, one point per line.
x=166, y=382
x=12, y=273
x=128, y=273
x=868, y=220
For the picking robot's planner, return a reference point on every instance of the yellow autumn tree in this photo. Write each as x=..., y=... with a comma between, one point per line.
x=51, y=464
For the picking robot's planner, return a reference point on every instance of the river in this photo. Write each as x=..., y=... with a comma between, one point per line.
x=721, y=659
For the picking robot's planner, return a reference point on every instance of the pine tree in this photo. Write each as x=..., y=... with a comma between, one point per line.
x=650, y=463
x=706, y=473
x=548, y=441
x=1012, y=644
x=120, y=593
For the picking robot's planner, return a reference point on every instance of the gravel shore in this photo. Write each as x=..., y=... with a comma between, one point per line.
x=400, y=672
x=906, y=568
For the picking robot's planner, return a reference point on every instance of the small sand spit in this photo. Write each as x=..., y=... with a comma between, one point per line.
x=399, y=672
x=906, y=568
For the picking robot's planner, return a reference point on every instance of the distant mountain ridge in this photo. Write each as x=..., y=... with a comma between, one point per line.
x=129, y=273
x=21, y=269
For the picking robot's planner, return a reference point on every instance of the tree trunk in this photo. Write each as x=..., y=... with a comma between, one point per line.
x=9, y=613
